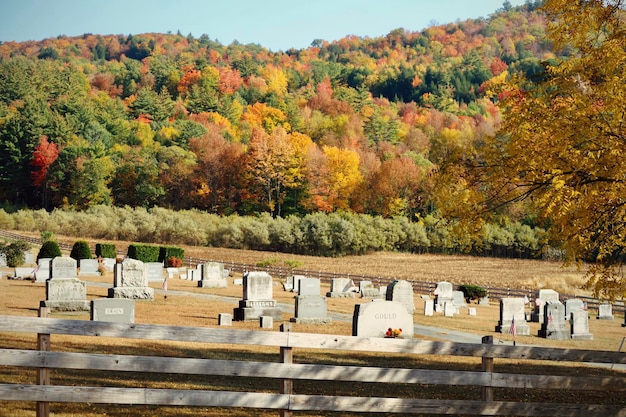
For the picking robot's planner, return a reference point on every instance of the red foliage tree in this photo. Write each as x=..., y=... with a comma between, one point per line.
x=43, y=156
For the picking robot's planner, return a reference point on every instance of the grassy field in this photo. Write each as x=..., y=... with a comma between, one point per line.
x=184, y=305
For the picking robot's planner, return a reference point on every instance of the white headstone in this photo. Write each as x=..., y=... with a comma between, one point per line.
x=131, y=281
x=88, y=267
x=375, y=318
x=402, y=292
x=512, y=308
x=212, y=275
x=605, y=312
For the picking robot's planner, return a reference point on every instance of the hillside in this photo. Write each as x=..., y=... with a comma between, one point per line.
x=361, y=124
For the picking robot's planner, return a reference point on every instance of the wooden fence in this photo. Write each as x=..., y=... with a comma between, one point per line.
x=287, y=401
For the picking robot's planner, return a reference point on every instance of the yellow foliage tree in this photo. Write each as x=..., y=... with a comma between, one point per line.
x=563, y=140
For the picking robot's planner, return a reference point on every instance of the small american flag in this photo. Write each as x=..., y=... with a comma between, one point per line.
x=512, y=329
x=164, y=285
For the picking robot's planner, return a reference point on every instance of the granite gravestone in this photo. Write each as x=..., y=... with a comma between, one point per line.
x=130, y=281
x=580, y=325
x=402, y=292
x=212, y=275
x=116, y=310
x=42, y=273
x=257, y=298
x=541, y=298
x=154, y=271
x=605, y=312
x=512, y=308
x=571, y=305
x=554, y=325
x=342, y=287
x=443, y=294
x=310, y=306
x=375, y=318
x=64, y=291
x=429, y=307
x=88, y=267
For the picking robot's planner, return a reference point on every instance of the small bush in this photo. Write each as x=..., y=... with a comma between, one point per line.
x=14, y=252
x=49, y=249
x=174, y=262
x=105, y=250
x=473, y=292
x=81, y=250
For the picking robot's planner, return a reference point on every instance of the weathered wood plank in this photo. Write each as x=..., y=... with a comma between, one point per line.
x=204, y=398
x=299, y=340
x=192, y=366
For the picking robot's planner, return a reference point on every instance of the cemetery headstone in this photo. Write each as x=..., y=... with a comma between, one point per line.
x=109, y=263
x=571, y=305
x=288, y=284
x=367, y=290
x=29, y=258
x=342, y=287
x=605, y=312
x=512, y=308
x=212, y=275
x=64, y=291
x=471, y=311
x=42, y=273
x=257, y=298
x=542, y=296
x=554, y=325
x=88, y=267
x=266, y=322
x=443, y=293
x=310, y=306
x=449, y=309
x=225, y=319
x=580, y=325
x=429, y=307
x=22, y=272
x=154, y=271
x=130, y=281
x=172, y=272
x=402, y=292
x=3, y=260
x=458, y=299
x=117, y=310
x=375, y=318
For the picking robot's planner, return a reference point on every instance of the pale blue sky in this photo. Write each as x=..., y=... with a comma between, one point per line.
x=274, y=24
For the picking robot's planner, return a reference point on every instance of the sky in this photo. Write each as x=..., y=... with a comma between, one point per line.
x=274, y=24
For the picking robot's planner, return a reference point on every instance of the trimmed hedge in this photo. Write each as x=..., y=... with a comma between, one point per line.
x=167, y=252
x=81, y=250
x=144, y=253
x=106, y=250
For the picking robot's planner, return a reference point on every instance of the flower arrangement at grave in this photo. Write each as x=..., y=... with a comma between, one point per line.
x=392, y=333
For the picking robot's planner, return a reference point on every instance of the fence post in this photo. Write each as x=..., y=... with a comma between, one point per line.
x=487, y=366
x=43, y=374
x=286, y=356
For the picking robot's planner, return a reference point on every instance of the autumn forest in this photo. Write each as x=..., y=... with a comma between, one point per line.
x=366, y=126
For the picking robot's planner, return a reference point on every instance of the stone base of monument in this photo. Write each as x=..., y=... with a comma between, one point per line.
x=253, y=310
x=311, y=320
x=341, y=294
x=582, y=336
x=553, y=334
x=213, y=283
x=66, y=305
x=135, y=293
x=66, y=294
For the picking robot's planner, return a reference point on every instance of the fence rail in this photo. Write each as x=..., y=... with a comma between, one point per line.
x=287, y=401
x=425, y=287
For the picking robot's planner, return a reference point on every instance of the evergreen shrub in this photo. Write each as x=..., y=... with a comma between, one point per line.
x=473, y=292
x=81, y=250
x=106, y=250
x=49, y=249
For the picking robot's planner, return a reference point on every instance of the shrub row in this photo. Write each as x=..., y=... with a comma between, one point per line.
x=321, y=234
